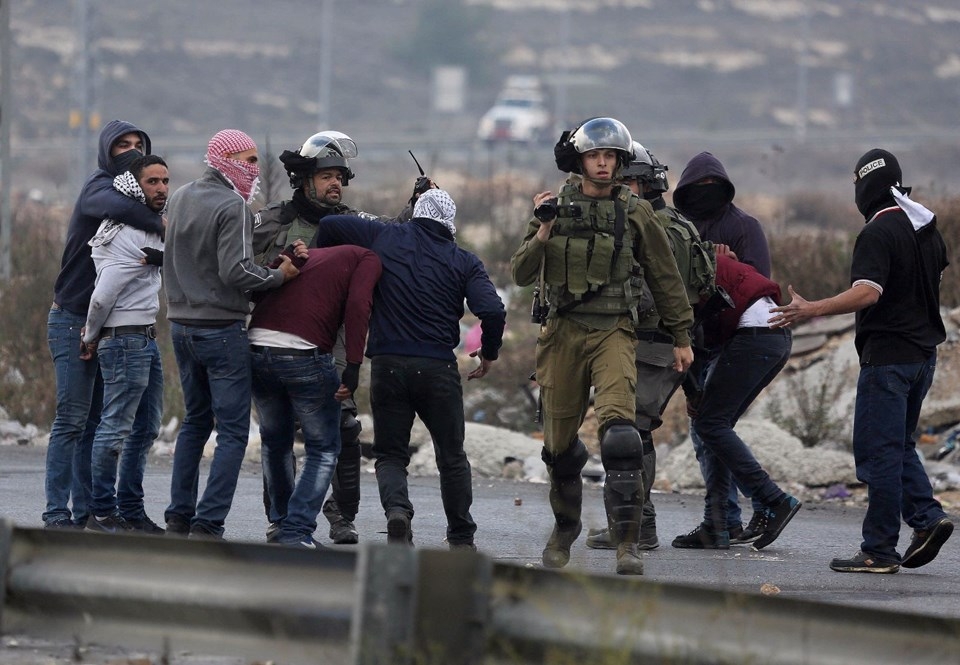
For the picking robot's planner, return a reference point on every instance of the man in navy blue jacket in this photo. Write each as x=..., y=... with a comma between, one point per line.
x=704, y=195
x=414, y=329
x=79, y=386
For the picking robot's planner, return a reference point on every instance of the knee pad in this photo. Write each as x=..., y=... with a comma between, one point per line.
x=350, y=429
x=569, y=463
x=621, y=448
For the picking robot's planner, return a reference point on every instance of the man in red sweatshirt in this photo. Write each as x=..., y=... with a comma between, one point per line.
x=292, y=335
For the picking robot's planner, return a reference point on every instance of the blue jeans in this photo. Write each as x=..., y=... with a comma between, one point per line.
x=745, y=366
x=214, y=366
x=888, y=404
x=287, y=389
x=710, y=467
x=129, y=424
x=79, y=400
x=402, y=387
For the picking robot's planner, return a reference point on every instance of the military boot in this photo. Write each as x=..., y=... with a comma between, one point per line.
x=566, y=501
x=621, y=451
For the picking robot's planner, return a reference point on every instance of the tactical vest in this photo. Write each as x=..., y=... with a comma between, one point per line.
x=695, y=257
x=590, y=265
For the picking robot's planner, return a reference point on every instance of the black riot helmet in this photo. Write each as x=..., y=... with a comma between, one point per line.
x=646, y=169
x=593, y=134
x=324, y=150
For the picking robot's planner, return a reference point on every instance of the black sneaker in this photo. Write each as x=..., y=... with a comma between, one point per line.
x=62, y=523
x=753, y=531
x=177, y=525
x=204, y=531
x=145, y=525
x=468, y=546
x=862, y=562
x=107, y=524
x=273, y=532
x=343, y=532
x=926, y=543
x=777, y=519
x=398, y=528
x=703, y=538
x=302, y=543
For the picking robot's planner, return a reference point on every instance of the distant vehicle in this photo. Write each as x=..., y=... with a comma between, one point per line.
x=518, y=115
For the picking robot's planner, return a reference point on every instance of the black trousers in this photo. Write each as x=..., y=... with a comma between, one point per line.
x=402, y=387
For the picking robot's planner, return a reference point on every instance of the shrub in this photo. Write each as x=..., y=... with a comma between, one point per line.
x=811, y=409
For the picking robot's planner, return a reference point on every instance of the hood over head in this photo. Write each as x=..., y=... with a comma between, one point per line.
x=108, y=136
x=698, y=202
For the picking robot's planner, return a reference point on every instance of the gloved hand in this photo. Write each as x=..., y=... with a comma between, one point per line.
x=423, y=184
x=351, y=377
x=154, y=256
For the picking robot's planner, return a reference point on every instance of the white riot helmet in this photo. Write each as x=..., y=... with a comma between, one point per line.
x=324, y=150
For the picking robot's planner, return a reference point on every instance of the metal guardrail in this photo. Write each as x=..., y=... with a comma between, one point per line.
x=387, y=604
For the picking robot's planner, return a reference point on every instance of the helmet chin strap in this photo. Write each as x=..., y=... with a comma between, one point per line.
x=601, y=182
x=310, y=191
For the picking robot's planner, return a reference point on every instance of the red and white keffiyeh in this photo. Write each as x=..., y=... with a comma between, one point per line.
x=244, y=177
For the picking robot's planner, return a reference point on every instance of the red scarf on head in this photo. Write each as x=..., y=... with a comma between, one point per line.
x=243, y=176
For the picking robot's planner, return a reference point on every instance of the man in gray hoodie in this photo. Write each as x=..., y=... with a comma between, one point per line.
x=209, y=270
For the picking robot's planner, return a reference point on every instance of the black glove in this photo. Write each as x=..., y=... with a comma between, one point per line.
x=422, y=185
x=154, y=256
x=351, y=376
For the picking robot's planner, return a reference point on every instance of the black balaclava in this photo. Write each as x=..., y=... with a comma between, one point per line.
x=123, y=161
x=705, y=201
x=876, y=172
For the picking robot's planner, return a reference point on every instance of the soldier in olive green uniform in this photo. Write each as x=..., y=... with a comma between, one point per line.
x=591, y=250
x=657, y=380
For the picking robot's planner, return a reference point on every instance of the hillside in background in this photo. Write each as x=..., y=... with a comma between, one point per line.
x=787, y=92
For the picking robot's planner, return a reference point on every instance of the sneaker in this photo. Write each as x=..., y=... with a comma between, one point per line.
x=861, y=562
x=343, y=532
x=177, y=525
x=204, y=531
x=753, y=531
x=777, y=518
x=702, y=538
x=302, y=543
x=61, y=523
x=398, y=528
x=466, y=546
x=108, y=524
x=926, y=543
x=273, y=532
x=628, y=560
x=145, y=525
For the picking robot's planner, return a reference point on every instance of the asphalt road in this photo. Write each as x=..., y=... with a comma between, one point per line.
x=514, y=521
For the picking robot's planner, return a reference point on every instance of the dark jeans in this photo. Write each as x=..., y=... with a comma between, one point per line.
x=79, y=402
x=214, y=365
x=129, y=424
x=402, y=387
x=745, y=366
x=287, y=389
x=889, y=398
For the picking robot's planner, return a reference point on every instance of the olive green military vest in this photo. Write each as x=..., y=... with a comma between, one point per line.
x=590, y=266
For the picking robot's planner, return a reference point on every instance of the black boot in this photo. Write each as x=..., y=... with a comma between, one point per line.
x=621, y=450
x=566, y=500
x=344, y=502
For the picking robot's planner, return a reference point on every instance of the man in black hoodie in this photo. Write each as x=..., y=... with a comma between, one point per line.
x=79, y=385
x=898, y=261
x=704, y=195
